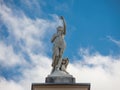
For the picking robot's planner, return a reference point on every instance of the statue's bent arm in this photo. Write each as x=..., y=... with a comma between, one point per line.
x=53, y=38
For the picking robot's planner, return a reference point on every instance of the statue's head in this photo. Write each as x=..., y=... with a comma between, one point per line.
x=59, y=29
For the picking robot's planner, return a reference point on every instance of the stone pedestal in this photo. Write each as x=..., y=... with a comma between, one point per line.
x=77, y=86
x=60, y=79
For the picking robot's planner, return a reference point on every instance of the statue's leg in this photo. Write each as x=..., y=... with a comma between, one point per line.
x=55, y=58
x=55, y=53
x=54, y=64
x=59, y=59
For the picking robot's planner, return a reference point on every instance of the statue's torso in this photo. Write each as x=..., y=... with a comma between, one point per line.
x=59, y=41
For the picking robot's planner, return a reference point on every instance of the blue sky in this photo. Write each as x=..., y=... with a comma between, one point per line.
x=89, y=23
x=93, y=41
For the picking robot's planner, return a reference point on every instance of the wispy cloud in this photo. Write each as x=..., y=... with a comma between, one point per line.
x=117, y=42
x=62, y=7
x=25, y=34
x=8, y=57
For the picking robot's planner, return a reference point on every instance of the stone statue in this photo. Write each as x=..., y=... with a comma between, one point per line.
x=58, y=45
x=59, y=64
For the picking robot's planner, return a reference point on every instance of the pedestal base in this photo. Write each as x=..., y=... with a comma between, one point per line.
x=77, y=86
x=61, y=79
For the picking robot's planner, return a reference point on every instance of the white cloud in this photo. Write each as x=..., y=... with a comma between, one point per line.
x=103, y=74
x=41, y=68
x=8, y=56
x=24, y=32
x=7, y=85
x=101, y=71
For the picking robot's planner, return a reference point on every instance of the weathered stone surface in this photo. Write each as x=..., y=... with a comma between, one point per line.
x=76, y=86
x=59, y=79
x=59, y=73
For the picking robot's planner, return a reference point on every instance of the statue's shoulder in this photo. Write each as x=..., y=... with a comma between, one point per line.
x=55, y=35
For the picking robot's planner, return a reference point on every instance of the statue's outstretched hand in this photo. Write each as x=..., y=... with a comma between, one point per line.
x=61, y=17
x=64, y=24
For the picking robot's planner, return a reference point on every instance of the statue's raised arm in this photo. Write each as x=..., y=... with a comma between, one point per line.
x=64, y=24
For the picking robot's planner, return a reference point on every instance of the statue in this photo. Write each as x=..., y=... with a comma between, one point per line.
x=58, y=46
x=59, y=64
